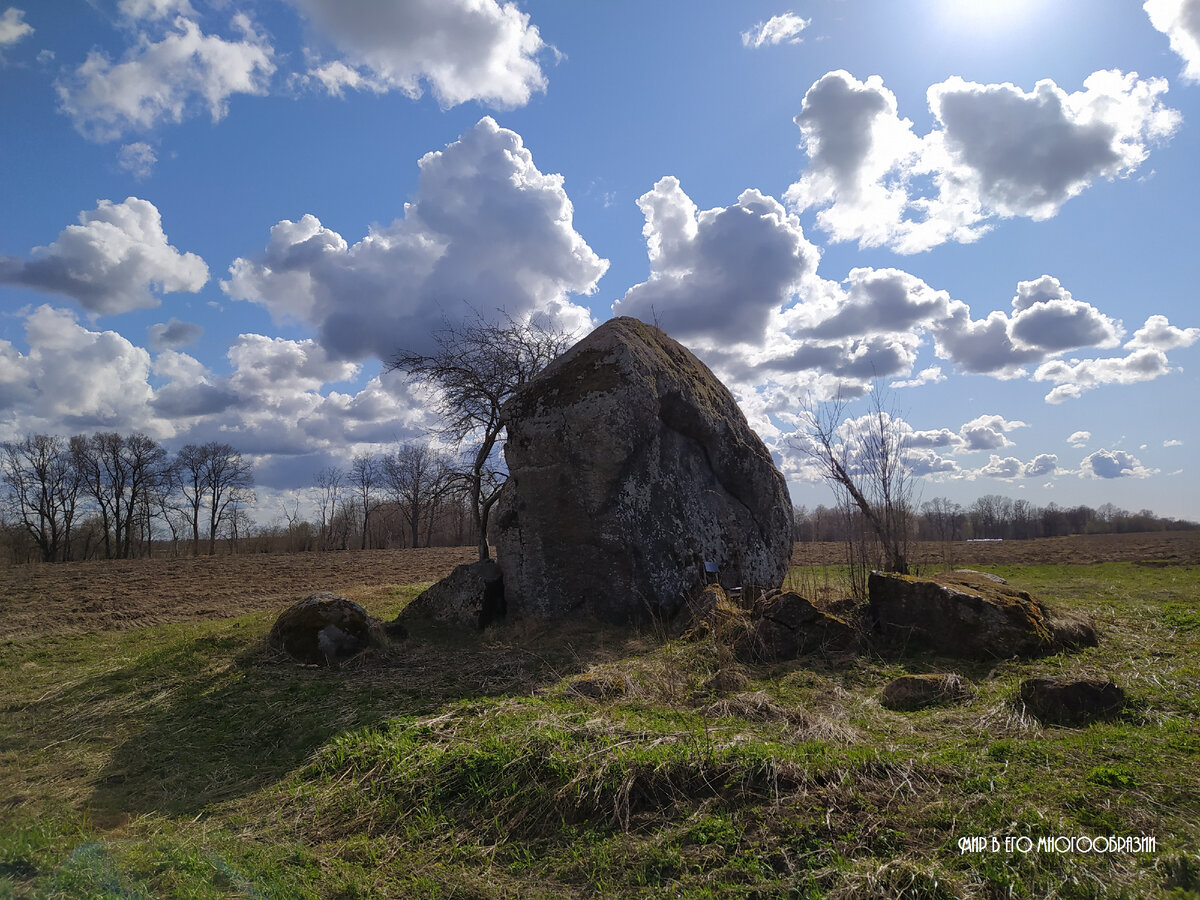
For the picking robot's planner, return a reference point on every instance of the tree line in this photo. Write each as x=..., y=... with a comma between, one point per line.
x=110, y=494
x=991, y=517
x=411, y=496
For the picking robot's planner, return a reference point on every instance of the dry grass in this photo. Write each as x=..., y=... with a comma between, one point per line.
x=185, y=759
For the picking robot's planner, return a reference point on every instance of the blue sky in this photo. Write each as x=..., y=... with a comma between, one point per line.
x=218, y=217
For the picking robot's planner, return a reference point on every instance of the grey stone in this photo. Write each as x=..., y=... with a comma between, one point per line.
x=1063, y=701
x=968, y=615
x=322, y=629
x=630, y=466
x=786, y=625
x=472, y=596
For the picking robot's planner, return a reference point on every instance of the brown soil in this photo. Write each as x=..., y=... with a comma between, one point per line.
x=1155, y=548
x=103, y=595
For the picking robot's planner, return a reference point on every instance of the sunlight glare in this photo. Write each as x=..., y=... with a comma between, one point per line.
x=984, y=16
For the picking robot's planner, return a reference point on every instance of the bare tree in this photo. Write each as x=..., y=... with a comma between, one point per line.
x=42, y=489
x=328, y=490
x=364, y=479
x=229, y=483
x=417, y=477
x=864, y=460
x=477, y=366
x=190, y=464
x=121, y=474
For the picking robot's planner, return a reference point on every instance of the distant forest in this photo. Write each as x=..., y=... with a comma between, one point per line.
x=109, y=495
x=993, y=517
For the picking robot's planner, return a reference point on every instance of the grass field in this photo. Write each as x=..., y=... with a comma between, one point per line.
x=166, y=752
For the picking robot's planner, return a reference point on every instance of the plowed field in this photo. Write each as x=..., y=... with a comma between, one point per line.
x=121, y=594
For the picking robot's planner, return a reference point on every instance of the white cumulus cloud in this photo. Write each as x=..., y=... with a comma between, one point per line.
x=485, y=228
x=721, y=273
x=462, y=49
x=1179, y=20
x=166, y=80
x=115, y=260
x=1076, y=376
x=988, y=432
x=1159, y=334
x=997, y=151
x=74, y=379
x=13, y=27
x=1079, y=438
x=1114, y=464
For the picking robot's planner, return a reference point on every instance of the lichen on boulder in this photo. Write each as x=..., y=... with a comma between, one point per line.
x=323, y=629
x=630, y=467
x=969, y=615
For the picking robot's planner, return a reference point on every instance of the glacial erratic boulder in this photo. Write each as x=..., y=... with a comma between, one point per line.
x=969, y=615
x=630, y=467
x=322, y=629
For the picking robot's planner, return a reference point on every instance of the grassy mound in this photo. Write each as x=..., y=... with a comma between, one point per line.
x=187, y=760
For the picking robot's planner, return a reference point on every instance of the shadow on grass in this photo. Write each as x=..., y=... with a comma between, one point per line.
x=222, y=716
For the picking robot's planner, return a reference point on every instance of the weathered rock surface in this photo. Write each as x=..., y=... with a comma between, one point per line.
x=322, y=629
x=970, y=615
x=909, y=692
x=472, y=596
x=1062, y=701
x=630, y=466
x=786, y=625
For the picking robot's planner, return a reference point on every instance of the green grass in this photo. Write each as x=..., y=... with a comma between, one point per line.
x=187, y=761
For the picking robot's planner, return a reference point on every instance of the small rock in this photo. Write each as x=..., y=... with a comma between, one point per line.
x=472, y=596
x=909, y=692
x=322, y=629
x=1063, y=701
x=598, y=686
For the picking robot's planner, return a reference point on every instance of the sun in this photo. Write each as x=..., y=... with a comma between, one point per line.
x=984, y=16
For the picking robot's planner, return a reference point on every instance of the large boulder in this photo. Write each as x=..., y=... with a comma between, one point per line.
x=630, y=467
x=472, y=596
x=322, y=629
x=969, y=614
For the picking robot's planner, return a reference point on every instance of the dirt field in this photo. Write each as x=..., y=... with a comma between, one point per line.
x=1164, y=547
x=122, y=594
